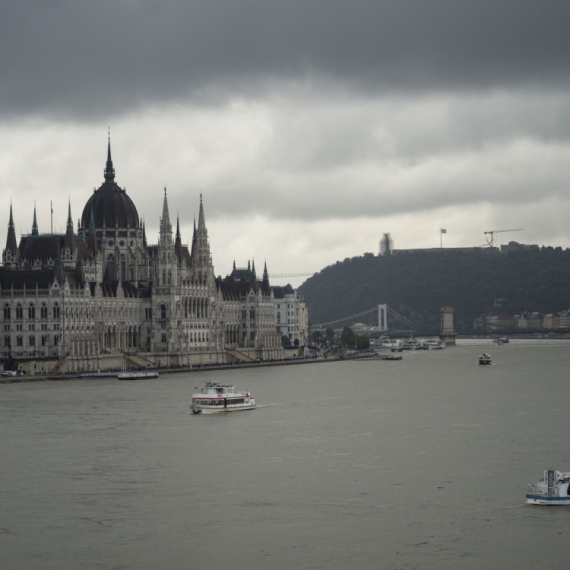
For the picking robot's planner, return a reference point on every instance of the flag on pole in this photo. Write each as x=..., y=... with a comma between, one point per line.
x=443, y=231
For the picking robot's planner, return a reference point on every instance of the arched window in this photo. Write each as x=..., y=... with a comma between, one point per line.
x=32, y=341
x=19, y=312
x=7, y=312
x=163, y=311
x=31, y=311
x=123, y=268
x=110, y=267
x=163, y=337
x=56, y=311
x=43, y=311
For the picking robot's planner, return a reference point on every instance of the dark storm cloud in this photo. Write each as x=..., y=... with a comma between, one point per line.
x=95, y=59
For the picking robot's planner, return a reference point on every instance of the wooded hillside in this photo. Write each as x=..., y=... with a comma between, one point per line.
x=418, y=285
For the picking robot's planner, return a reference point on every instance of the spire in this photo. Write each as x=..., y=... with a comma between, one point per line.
x=144, y=233
x=35, y=222
x=69, y=235
x=201, y=219
x=165, y=225
x=265, y=275
x=109, y=169
x=69, y=219
x=178, y=241
x=253, y=275
x=11, y=244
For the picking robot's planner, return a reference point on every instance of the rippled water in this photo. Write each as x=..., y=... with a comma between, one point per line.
x=421, y=463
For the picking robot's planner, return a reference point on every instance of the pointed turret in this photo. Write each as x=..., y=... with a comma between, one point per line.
x=178, y=240
x=11, y=243
x=165, y=225
x=69, y=235
x=109, y=169
x=265, y=275
x=253, y=276
x=35, y=223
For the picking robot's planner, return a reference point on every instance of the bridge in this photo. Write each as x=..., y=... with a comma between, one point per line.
x=375, y=321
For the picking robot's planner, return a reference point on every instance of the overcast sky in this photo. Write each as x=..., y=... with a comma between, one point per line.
x=310, y=127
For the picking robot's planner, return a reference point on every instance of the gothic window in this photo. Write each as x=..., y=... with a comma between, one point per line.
x=163, y=311
x=32, y=341
x=56, y=311
x=19, y=312
x=43, y=311
x=19, y=341
x=44, y=340
x=110, y=267
x=7, y=312
x=6, y=341
x=163, y=337
x=31, y=311
x=123, y=269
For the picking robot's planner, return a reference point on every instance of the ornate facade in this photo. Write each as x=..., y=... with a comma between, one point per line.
x=87, y=300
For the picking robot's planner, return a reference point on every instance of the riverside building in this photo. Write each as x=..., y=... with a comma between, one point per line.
x=99, y=296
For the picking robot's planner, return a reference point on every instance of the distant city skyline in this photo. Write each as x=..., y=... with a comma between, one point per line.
x=311, y=129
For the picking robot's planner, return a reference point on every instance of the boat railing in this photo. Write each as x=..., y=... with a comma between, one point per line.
x=542, y=490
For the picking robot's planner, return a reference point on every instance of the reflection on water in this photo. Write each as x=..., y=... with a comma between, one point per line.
x=421, y=463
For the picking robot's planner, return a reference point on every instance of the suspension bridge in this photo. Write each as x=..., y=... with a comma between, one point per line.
x=373, y=320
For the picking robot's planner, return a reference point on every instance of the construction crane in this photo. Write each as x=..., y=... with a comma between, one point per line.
x=493, y=232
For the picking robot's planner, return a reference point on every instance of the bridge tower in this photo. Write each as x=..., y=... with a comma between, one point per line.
x=382, y=318
x=447, y=333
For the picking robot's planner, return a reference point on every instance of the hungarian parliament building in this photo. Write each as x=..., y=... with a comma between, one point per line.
x=100, y=296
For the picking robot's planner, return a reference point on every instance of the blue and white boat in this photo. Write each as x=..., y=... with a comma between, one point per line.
x=552, y=489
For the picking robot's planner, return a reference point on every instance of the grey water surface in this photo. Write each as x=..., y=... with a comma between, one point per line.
x=346, y=465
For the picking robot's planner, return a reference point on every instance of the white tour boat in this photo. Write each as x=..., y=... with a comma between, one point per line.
x=552, y=489
x=215, y=397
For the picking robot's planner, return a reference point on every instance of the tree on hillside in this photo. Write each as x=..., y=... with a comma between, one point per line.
x=347, y=337
x=329, y=333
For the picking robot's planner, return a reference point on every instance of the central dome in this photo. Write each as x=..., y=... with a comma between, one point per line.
x=110, y=204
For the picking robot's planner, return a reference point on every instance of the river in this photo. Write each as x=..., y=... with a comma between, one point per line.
x=417, y=464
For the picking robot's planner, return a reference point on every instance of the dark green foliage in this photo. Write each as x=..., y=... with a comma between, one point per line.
x=418, y=285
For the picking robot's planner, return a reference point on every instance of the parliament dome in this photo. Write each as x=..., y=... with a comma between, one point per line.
x=110, y=204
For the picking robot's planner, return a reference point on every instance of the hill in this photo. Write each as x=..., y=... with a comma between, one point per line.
x=417, y=285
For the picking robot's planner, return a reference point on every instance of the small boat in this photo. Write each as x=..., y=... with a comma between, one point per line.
x=391, y=357
x=133, y=374
x=136, y=375
x=411, y=344
x=485, y=359
x=215, y=398
x=552, y=489
x=434, y=344
x=98, y=375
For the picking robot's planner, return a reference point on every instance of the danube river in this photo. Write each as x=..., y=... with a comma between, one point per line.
x=418, y=464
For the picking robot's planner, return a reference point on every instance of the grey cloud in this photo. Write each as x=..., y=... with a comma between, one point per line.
x=93, y=60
